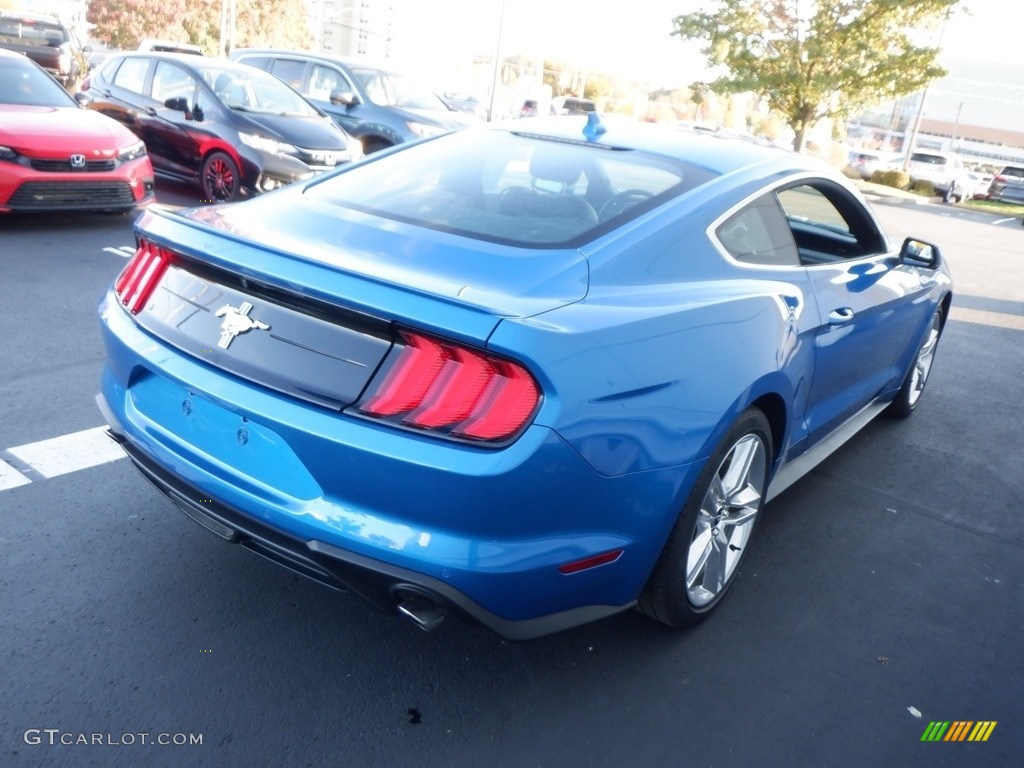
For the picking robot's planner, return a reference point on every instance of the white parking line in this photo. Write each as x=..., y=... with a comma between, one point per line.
x=67, y=453
x=997, y=222
x=10, y=477
x=124, y=251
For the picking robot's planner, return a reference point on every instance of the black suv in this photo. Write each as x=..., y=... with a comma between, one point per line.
x=379, y=107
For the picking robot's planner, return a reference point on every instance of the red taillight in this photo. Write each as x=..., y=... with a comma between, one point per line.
x=442, y=386
x=139, y=279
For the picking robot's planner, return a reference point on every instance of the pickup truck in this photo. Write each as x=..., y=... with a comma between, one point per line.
x=48, y=42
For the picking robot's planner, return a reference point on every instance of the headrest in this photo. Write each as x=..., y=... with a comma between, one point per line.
x=552, y=165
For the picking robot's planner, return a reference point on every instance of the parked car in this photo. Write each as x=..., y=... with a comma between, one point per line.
x=1008, y=185
x=979, y=184
x=170, y=46
x=944, y=170
x=56, y=156
x=230, y=128
x=509, y=374
x=465, y=104
x=531, y=108
x=865, y=162
x=47, y=41
x=380, y=107
x=572, y=105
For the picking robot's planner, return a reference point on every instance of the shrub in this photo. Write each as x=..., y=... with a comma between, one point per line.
x=897, y=179
x=922, y=187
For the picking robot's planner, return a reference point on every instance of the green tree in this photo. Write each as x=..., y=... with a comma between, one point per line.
x=125, y=23
x=813, y=60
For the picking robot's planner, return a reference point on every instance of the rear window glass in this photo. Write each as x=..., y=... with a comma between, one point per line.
x=31, y=32
x=1010, y=170
x=922, y=157
x=508, y=188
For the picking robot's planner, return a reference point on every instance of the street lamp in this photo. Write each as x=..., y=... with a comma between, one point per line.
x=497, y=61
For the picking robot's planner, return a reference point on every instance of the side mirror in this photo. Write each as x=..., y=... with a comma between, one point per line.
x=346, y=98
x=918, y=253
x=82, y=98
x=179, y=104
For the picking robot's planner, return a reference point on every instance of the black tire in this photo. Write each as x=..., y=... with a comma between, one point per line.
x=220, y=178
x=375, y=145
x=909, y=396
x=725, y=517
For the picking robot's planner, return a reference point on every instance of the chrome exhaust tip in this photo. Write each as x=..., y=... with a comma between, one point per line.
x=424, y=613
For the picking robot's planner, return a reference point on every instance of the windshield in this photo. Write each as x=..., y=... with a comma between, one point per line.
x=253, y=90
x=521, y=190
x=388, y=89
x=21, y=82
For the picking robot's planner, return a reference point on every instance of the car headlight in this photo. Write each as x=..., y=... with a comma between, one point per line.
x=6, y=153
x=355, y=149
x=422, y=129
x=131, y=152
x=267, y=145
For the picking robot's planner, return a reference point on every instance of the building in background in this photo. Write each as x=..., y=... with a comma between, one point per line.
x=976, y=111
x=353, y=28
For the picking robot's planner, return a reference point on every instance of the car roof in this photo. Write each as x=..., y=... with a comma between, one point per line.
x=719, y=154
x=185, y=59
x=11, y=13
x=328, y=57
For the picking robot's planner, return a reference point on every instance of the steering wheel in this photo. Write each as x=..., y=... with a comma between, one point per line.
x=622, y=202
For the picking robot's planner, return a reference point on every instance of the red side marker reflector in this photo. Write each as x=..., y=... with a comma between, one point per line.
x=590, y=562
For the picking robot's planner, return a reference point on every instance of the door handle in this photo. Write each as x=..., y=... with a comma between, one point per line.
x=840, y=316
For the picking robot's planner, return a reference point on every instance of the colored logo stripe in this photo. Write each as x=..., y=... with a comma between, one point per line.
x=982, y=730
x=958, y=730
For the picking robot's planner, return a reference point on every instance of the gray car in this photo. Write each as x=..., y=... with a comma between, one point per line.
x=1008, y=185
x=379, y=107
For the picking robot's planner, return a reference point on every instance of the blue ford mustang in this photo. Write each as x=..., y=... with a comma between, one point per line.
x=531, y=375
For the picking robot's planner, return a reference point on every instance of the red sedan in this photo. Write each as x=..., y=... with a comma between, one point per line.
x=56, y=156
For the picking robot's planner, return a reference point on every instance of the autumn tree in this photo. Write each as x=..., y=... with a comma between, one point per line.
x=273, y=23
x=817, y=59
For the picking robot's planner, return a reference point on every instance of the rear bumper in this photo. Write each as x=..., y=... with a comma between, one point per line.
x=380, y=512
x=382, y=584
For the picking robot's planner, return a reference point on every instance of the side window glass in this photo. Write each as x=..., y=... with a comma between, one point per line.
x=206, y=105
x=758, y=234
x=171, y=82
x=828, y=224
x=131, y=75
x=290, y=71
x=260, y=62
x=325, y=80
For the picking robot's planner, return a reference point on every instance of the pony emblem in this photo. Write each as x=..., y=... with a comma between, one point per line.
x=237, y=321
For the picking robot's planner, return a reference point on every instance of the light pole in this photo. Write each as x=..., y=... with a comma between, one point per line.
x=497, y=61
x=911, y=140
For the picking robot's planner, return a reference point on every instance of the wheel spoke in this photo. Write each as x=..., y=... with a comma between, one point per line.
x=742, y=515
x=740, y=459
x=716, y=566
x=700, y=549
